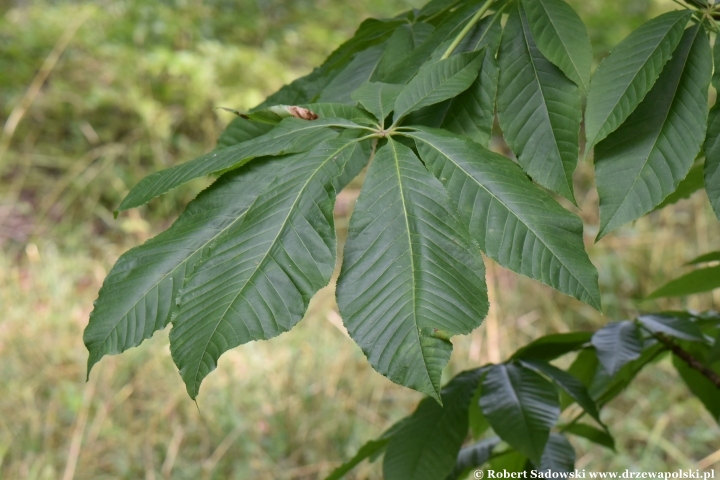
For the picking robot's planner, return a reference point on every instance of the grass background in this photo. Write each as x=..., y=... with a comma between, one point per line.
x=131, y=87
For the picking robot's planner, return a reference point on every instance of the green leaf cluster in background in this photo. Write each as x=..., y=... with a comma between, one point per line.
x=516, y=412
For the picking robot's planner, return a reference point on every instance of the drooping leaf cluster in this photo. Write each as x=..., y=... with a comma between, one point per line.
x=412, y=101
x=512, y=411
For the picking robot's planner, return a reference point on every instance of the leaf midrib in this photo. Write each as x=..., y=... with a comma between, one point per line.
x=546, y=110
x=265, y=256
x=508, y=209
x=412, y=259
x=519, y=403
x=560, y=37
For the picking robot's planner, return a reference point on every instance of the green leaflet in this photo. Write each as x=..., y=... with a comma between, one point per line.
x=256, y=280
x=241, y=130
x=436, y=82
x=706, y=257
x=712, y=155
x=357, y=72
x=645, y=159
x=514, y=222
x=521, y=406
x=716, y=62
x=446, y=30
x=617, y=344
x=697, y=281
x=624, y=78
x=306, y=89
x=377, y=98
x=568, y=383
x=427, y=445
x=139, y=292
x=409, y=270
x=289, y=136
x=471, y=113
x=403, y=41
x=434, y=7
x=559, y=455
x=561, y=37
x=538, y=108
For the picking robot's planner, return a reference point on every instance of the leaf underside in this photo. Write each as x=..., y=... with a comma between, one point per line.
x=471, y=113
x=139, y=293
x=411, y=277
x=561, y=37
x=256, y=281
x=438, y=81
x=538, y=108
x=712, y=158
x=644, y=160
x=622, y=80
x=513, y=221
x=521, y=406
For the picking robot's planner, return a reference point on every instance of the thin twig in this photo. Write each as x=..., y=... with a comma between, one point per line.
x=467, y=28
x=688, y=358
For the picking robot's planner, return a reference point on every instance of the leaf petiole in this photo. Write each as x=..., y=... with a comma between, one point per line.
x=486, y=6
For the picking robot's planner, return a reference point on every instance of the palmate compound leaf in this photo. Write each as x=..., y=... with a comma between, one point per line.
x=623, y=79
x=411, y=277
x=644, y=160
x=438, y=81
x=538, y=108
x=256, y=280
x=561, y=37
x=291, y=135
x=521, y=406
x=427, y=444
x=139, y=293
x=514, y=222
